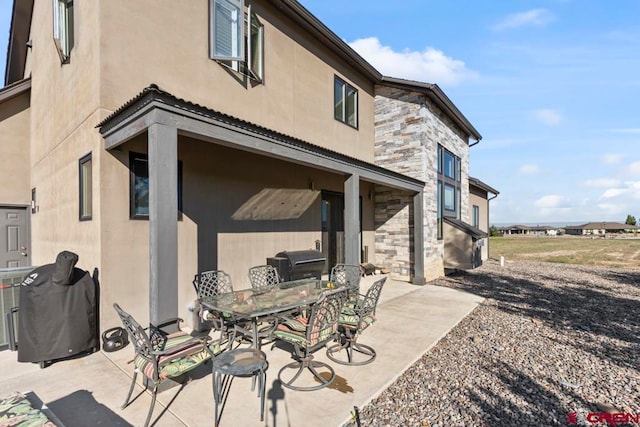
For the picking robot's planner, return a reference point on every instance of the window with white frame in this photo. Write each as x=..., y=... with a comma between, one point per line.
x=227, y=30
x=63, y=28
x=345, y=101
x=236, y=41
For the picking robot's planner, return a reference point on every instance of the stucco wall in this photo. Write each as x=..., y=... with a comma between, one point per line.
x=64, y=102
x=409, y=128
x=475, y=198
x=163, y=42
x=122, y=46
x=458, y=248
x=15, y=188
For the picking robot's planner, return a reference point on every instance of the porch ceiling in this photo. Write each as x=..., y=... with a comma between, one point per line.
x=153, y=105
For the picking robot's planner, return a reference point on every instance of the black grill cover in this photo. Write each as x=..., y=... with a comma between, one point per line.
x=58, y=312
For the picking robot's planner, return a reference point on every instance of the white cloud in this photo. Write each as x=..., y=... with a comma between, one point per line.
x=623, y=192
x=614, y=192
x=612, y=159
x=602, y=183
x=552, y=201
x=634, y=168
x=529, y=169
x=611, y=209
x=430, y=65
x=548, y=116
x=534, y=17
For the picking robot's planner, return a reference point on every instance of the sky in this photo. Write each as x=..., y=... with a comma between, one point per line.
x=553, y=87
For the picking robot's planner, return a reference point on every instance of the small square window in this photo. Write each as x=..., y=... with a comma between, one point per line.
x=476, y=216
x=345, y=101
x=139, y=186
x=63, y=28
x=86, y=189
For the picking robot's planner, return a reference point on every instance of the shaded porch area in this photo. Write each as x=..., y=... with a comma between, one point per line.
x=245, y=193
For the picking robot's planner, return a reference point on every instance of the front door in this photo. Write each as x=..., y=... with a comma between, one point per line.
x=332, y=229
x=14, y=238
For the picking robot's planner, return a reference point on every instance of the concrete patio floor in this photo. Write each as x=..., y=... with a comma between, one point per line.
x=90, y=390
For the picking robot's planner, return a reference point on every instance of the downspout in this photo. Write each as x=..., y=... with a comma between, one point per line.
x=488, y=220
x=475, y=143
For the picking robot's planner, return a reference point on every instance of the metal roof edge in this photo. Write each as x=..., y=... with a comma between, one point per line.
x=154, y=93
x=476, y=182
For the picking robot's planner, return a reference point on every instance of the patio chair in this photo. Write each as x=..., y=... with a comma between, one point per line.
x=353, y=320
x=263, y=277
x=309, y=334
x=348, y=276
x=211, y=283
x=159, y=356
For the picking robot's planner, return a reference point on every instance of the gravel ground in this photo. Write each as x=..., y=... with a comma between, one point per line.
x=551, y=344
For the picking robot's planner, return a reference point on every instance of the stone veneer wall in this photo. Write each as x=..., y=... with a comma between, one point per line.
x=408, y=129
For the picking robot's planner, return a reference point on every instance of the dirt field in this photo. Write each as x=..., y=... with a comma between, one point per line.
x=605, y=252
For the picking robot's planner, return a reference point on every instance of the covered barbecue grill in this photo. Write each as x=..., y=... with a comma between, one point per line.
x=58, y=315
x=294, y=265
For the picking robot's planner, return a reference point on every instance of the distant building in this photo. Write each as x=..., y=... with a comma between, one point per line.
x=538, y=230
x=600, y=228
x=514, y=229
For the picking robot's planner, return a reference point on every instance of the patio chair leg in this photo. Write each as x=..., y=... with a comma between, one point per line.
x=133, y=384
x=153, y=402
x=350, y=346
x=310, y=365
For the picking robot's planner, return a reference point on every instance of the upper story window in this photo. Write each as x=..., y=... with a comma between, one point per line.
x=86, y=190
x=345, y=101
x=63, y=27
x=448, y=191
x=228, y=43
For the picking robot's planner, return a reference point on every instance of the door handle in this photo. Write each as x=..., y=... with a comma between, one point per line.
x=23, y=248
x=23, y=253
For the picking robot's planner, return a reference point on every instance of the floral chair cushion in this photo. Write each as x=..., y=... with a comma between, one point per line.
x=182, y=360
x=17, y=410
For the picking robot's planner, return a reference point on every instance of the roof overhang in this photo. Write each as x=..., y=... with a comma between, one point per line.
x=154, y=105
x=15, y=89
x=314, y=26
x=469, y=229
x=18, y=38
x=435, y=94
x=481, y=185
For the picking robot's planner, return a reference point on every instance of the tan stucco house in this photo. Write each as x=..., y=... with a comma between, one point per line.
x=157, y=144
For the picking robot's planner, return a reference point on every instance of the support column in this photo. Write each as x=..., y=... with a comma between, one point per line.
x=418, y=239
x=163, y=222
x=352, y=220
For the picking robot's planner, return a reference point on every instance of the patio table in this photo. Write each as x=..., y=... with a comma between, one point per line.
x=258, y=304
